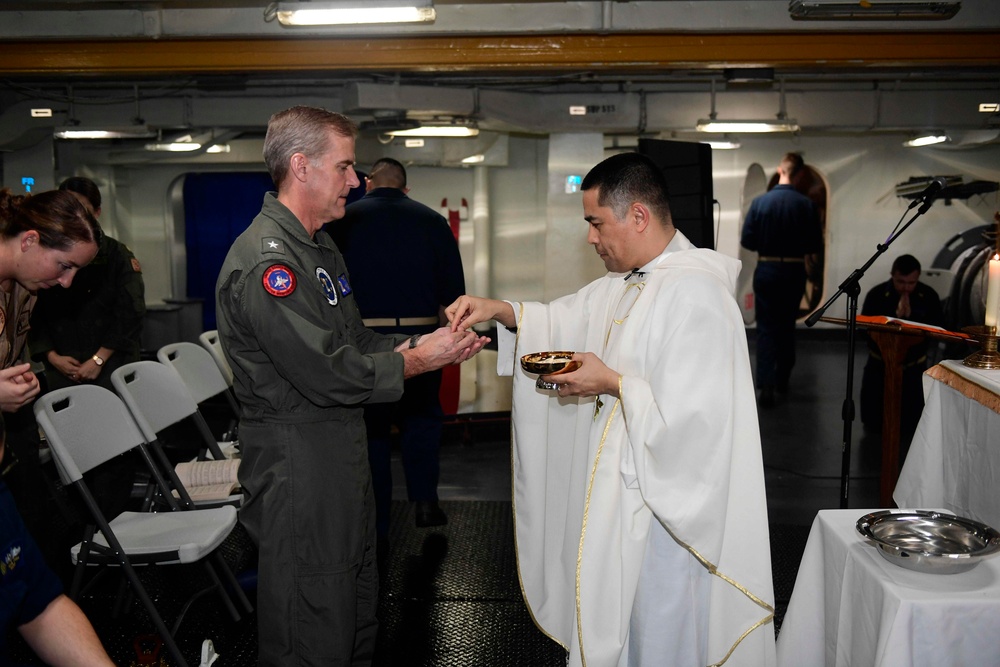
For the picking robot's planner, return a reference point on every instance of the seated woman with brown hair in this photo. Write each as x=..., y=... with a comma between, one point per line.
x=44, y=240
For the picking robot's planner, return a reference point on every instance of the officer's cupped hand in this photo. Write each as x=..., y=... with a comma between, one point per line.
x=449, y=347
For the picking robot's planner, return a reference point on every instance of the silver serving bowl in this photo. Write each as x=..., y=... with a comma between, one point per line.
x=929, y=541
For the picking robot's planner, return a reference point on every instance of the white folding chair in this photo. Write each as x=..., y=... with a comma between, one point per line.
x=158, y=399
x=210, y=341
x=199, y=371
x=87, y=425
x=204, y=380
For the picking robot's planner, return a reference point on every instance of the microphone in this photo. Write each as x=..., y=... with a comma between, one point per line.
x=929, y=194
x=933, y=188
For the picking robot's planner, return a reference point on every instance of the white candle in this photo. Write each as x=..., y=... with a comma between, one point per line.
x=993, y=292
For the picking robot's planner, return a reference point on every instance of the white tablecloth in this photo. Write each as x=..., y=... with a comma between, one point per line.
x=954, y=459
x=852, y=607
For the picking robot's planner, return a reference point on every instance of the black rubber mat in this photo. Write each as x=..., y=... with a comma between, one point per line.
x=450, y=596
x=787, y=544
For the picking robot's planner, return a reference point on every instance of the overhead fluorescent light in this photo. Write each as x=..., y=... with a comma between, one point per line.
x=873, y=10
x=782, y=122
x=186, y=147
x=724, y=145
x=358, y=12
x=132, y=132
x=746, y=126
x=474, y=159
x=174, y=147
x=927, y=140
x=437, y=131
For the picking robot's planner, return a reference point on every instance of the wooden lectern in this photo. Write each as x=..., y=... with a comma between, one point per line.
x=894, y=339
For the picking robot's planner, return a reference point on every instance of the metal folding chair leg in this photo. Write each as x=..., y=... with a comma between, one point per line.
x=138, y=589
x=232, y=584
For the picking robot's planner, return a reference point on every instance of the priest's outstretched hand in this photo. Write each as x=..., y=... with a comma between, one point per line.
x=593, y=378
x=468, y=310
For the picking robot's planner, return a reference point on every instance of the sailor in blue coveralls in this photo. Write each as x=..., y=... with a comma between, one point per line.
x=783, y=227
x=406, y=268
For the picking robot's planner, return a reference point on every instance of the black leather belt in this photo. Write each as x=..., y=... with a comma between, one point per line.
x=399, y=321
x=784, y=260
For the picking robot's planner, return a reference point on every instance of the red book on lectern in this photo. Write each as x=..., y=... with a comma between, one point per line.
x=907, y=324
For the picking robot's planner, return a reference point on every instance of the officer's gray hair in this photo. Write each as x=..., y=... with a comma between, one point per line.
x=301, y=129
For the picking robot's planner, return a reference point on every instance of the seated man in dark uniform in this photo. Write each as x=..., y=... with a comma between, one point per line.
x=904, y=297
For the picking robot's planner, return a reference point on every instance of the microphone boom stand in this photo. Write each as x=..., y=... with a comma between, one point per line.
x=852, y=288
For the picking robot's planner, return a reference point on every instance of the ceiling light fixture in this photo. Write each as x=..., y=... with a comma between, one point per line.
x=927, y=140
x=174, y=147
x=437, y=131
x=474, y=159
x=131, y=132
x=723, y=145
x=781, y=124
x=873, y=10
x=746, y=126
x=186, y=147
x=357, y=12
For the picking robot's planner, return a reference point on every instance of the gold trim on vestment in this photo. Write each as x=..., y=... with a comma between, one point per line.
x=639, y=286
x=583, y=528
x=712, y=569
x=709, y=566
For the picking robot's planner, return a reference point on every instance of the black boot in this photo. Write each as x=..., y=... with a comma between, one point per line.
x=430, y=514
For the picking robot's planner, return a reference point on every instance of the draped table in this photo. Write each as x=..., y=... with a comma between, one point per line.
x=852, y=607
x=954, y=459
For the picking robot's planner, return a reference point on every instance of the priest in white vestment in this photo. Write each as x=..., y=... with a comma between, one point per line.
x=640, y=516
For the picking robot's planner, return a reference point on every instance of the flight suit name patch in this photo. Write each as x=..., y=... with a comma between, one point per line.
x=279, y=280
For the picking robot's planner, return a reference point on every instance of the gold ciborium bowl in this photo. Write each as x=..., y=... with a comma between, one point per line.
x=549, y=363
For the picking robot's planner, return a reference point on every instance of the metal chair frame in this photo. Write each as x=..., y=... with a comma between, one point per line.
x=87, y=425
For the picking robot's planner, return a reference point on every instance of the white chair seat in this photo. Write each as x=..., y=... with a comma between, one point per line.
x=193, y=535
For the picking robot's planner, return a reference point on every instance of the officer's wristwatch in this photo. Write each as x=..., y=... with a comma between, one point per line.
x=98, y=360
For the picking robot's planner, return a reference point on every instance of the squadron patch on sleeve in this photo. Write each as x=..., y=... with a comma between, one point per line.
x=326, y=284
x=135, y=265
x=345, y=287
x=279, y=280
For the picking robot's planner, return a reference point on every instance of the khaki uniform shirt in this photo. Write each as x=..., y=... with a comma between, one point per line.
x=15, y=314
